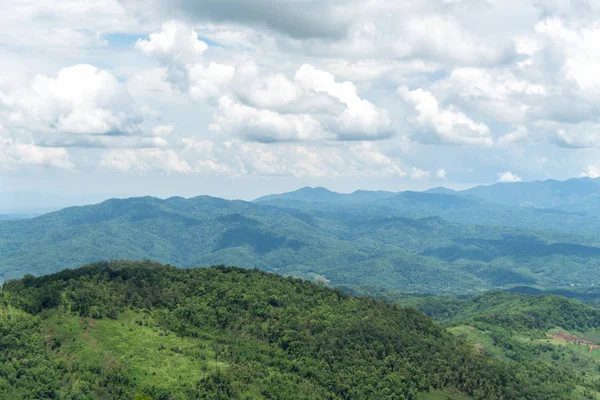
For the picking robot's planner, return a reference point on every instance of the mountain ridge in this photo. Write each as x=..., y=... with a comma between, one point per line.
x=521, y=193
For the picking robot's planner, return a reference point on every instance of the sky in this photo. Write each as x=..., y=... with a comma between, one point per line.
x=240, y=98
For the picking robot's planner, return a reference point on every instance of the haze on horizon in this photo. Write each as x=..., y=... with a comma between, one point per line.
x=238, y=98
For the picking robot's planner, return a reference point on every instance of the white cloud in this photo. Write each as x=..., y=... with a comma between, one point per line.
x=508, y=177
x=80, y=101
x=180, y=52
x=207, y=82
x=442, y=38
x=574, y=51
x=440, y=174
x=63, y=24
x=575, y=136
x=520, y=135
x=263, y=125
x=145, y=160
x=592, y=171
x=13, y=154
x=419, y=174
x=497, y=93
x=312, y=106
x=163, y=130
x=360, y=119
x=434, y=124
x=283, y=159
x=303, y=89
x=175, y=42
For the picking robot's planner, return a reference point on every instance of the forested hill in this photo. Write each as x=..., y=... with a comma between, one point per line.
x=570, y=205
x=539, y=194
x=531, y=332
x=126, y=330
x=511, y=310
x=351, y=245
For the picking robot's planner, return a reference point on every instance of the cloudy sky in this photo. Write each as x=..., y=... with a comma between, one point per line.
x=238, y=98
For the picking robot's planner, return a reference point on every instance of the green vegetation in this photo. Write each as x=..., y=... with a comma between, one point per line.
x=535, y=333
x=353, y=245
x=128, y=330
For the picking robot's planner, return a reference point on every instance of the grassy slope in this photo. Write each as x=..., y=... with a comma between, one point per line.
x=135, y=341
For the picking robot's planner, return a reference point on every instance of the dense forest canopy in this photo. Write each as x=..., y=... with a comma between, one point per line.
x=240, y=333
x=372, y=241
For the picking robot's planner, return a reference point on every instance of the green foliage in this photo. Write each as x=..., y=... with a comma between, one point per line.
x=354, y=245
x=119, y=330
x=541, y=335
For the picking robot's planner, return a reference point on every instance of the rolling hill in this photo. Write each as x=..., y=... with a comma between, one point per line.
x=535, y=332
x=538, y=194
x=350, y=245
x=569, y=206
x=126, y=330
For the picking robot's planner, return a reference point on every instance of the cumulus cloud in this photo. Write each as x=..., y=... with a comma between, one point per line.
x=592, y=171
x=313, y=106
x=179, y=50
x=163, y=130
x=145, y=160
x=442, y=38
x=435, y=124
x=240, y=158
x=63, y=24
x=520, y=135
x=419, y=174
x=497, y=93
x=300, y=20
x=573, y=51
x=264, y=125
x=13, y=154
x=236, y=73
x=508, y=176
x=275, y=91
x=175, y=42
x=576, y=136
x=360, y=119
x=82, y=105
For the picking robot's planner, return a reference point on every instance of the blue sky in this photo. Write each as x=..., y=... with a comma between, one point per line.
x=240, y=98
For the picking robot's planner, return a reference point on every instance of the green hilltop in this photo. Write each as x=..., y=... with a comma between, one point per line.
x=141, y=330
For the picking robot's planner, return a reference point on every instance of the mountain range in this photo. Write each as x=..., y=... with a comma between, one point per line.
x=411, y=241
x=413, y=295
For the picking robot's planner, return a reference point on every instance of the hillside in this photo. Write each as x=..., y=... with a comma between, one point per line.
x=538, y=194
x=350, y=245
x=570, y=206
x=323, y=195
x=541, y=332
x=144, y=330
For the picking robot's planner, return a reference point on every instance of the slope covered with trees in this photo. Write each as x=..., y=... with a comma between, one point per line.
x=126, y=330
x=352, y=245
x=535, y=332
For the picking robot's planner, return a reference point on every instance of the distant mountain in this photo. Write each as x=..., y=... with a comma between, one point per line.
x=11, y=217
x=570, y=205
x=322, y=195
x=441, y=190
x=539, y=194
x=26, y=203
